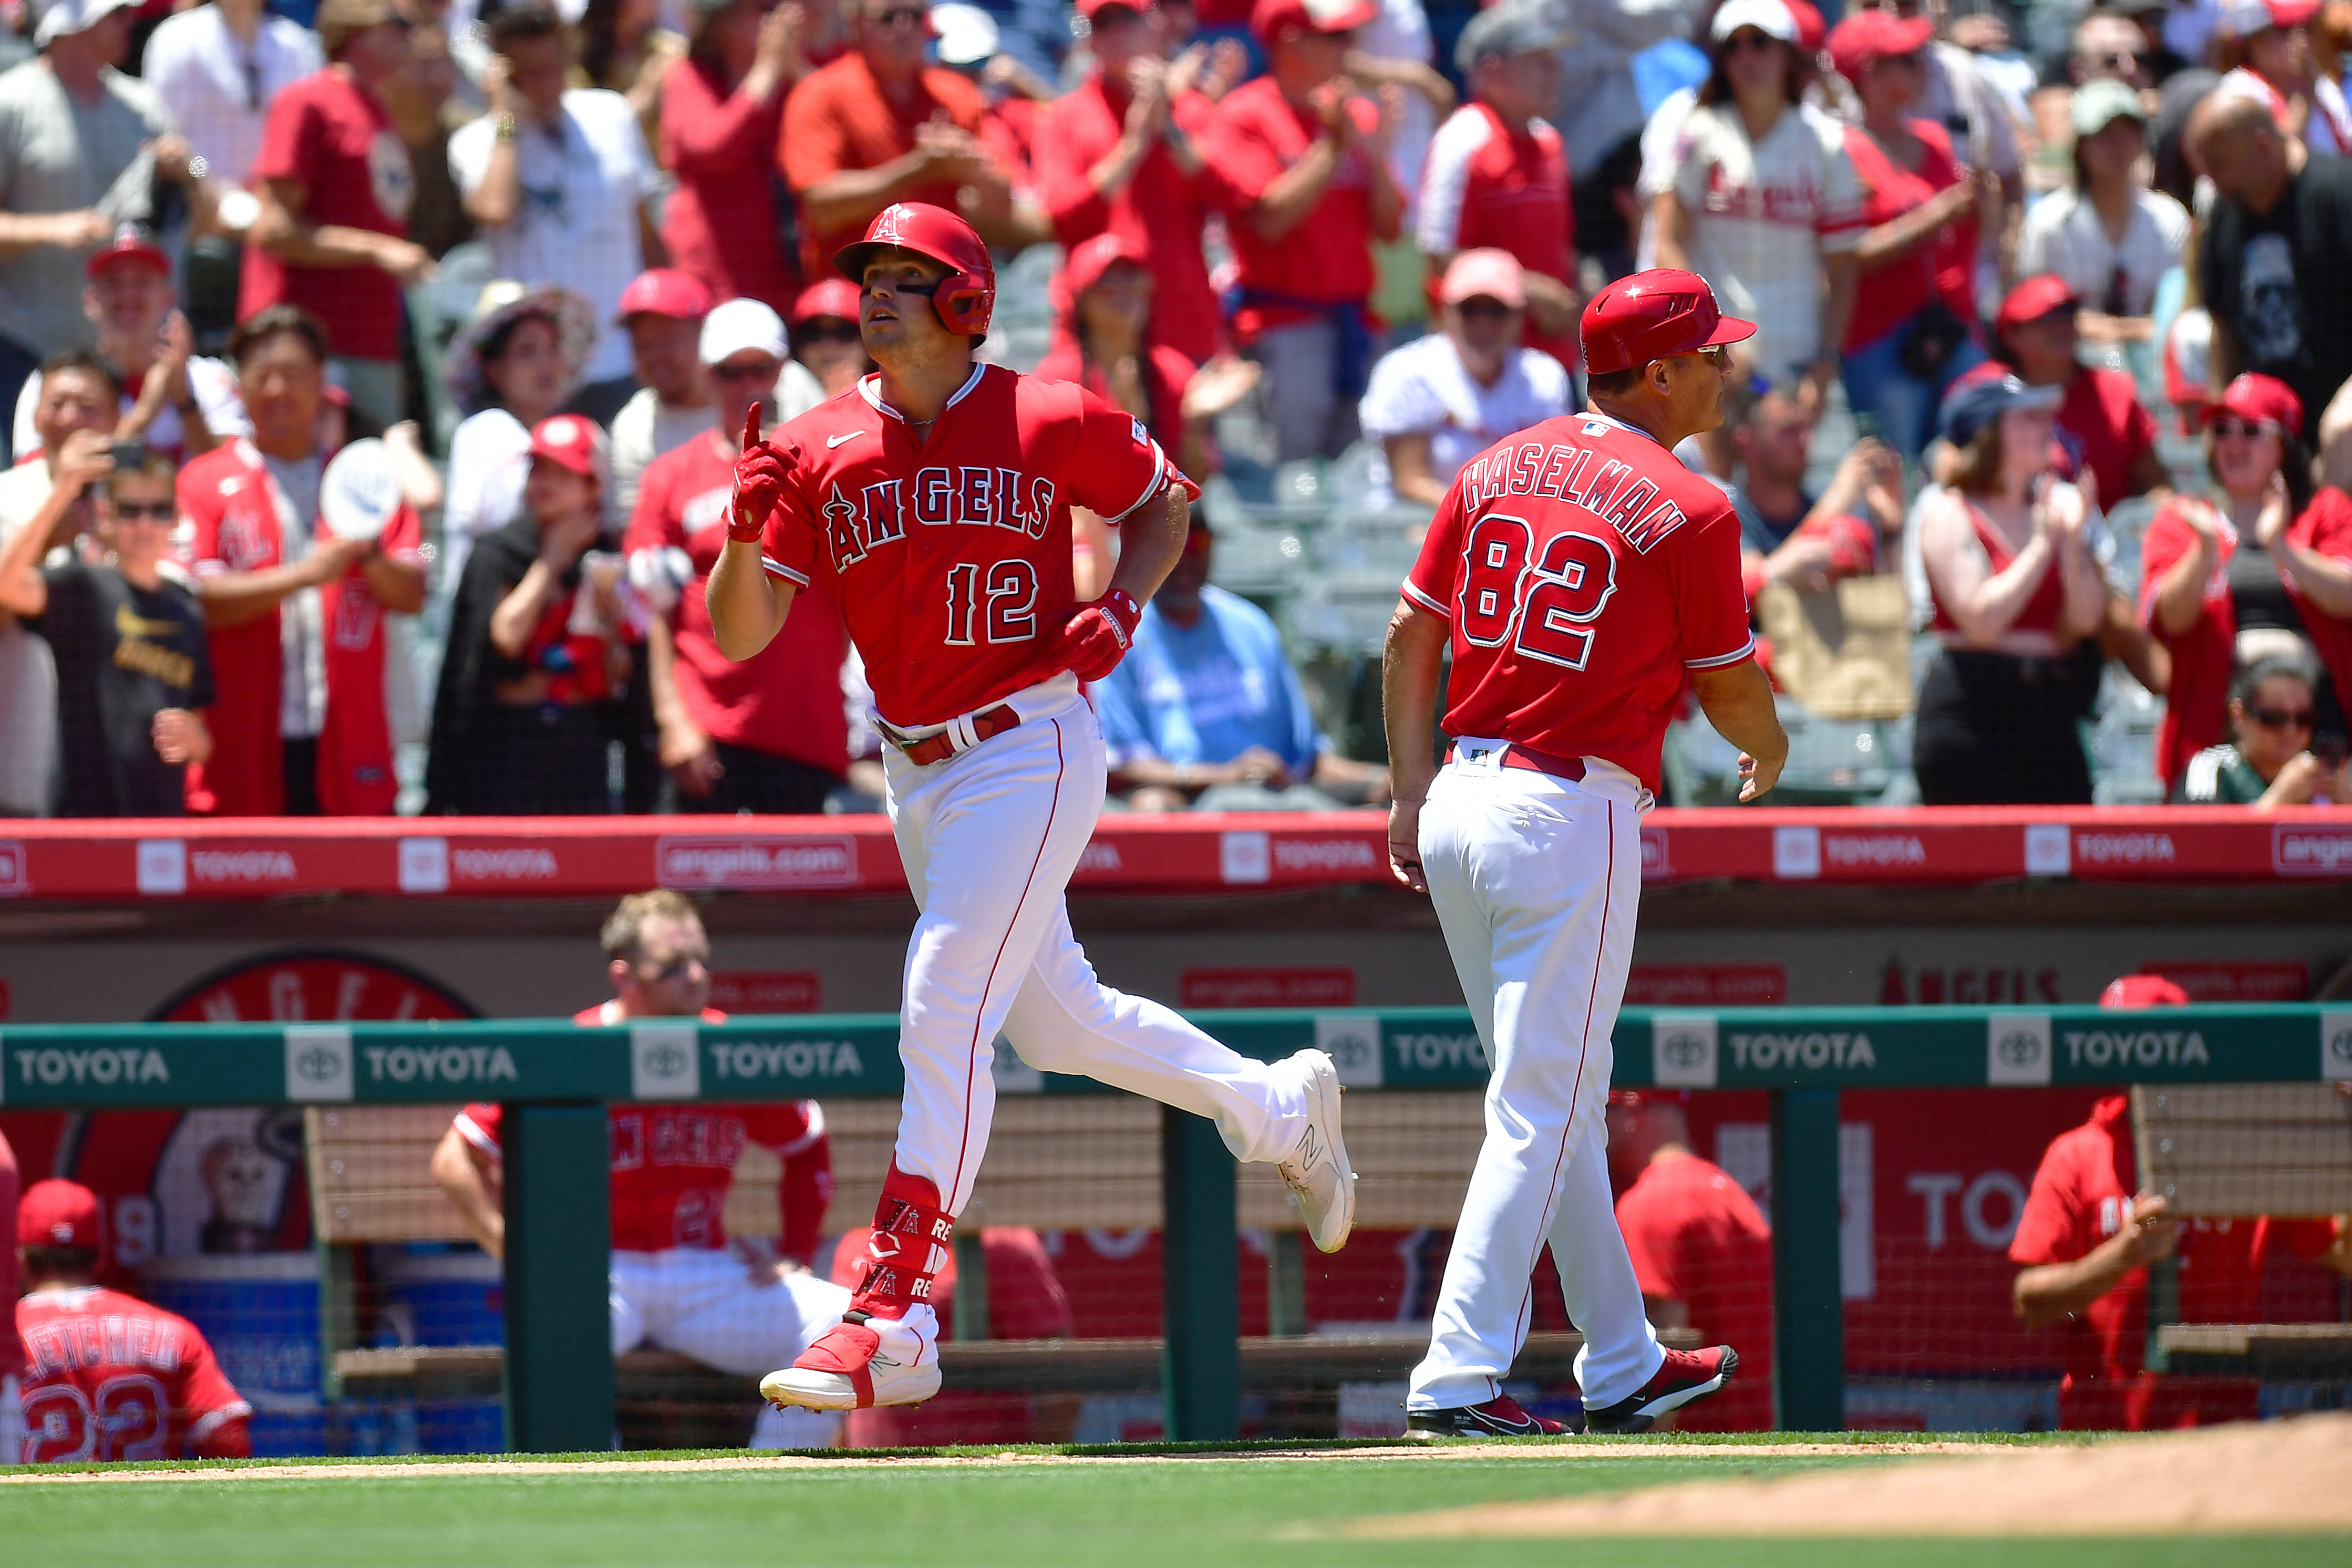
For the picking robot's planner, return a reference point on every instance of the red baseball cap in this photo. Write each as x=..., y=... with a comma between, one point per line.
x=664, y=291
x=59, y=1214
x=1268, y=18
x=2035, y=298
x=572, y=442
x=1090, y=260
x=1655, y=315
x=130, y=243
x=1867, y=37
x=2143, y=991
x=2264, y=399
x=827, y=297
x=2244, y=18
x=1810, y=29
x=1090, y=9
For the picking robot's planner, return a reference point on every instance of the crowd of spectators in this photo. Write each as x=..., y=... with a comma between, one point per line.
x=552, y=260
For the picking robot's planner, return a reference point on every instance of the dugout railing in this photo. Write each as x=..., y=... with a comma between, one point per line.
x=556, y=1079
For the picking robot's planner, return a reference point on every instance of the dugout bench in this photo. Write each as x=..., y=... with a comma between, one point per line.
x=2243, y=1152
x=1055, y=1162
x=556, y=1079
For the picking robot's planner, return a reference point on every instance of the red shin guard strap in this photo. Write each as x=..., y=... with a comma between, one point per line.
x=908, y=1247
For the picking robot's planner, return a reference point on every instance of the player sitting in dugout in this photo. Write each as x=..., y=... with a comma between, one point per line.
x=2087, y=1240
x=1206, y=713
x=106, y=1375
x=677, y=1279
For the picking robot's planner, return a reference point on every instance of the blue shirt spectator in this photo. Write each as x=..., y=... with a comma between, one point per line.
x=1207, y=711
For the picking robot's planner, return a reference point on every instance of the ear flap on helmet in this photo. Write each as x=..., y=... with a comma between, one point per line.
x=964, y=303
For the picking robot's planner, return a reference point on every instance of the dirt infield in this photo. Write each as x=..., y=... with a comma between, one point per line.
x=2276, y=1476
x=297, y=1470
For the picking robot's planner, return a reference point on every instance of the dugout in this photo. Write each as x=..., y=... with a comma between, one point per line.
x=1915, y=1182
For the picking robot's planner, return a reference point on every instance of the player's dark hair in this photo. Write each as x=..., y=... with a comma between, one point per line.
x=520, y=23
x=1613, y=383
x=2294, y=466
x=60, y=1262
x=81, y=359
x=272, y=321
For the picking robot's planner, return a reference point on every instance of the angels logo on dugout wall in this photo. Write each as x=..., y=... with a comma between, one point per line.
x=224, y=1179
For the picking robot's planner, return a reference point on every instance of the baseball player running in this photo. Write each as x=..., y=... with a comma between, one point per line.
x=1580, y=575
x=932, y=502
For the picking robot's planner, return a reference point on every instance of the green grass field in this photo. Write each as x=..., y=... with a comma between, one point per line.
x=1189, y=1508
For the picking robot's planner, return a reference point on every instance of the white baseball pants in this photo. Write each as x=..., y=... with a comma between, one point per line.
x=1535, y=881
x=990, y=838
x=702, y=1301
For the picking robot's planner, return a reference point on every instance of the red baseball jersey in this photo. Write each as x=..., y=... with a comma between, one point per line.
x=1584, y=570
x=107, y=1377
x=949, y=555
x=1696, y=1236
x=673, y=1165
x=2081, y=1195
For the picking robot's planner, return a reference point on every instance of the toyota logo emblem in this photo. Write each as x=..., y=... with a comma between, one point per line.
x=2339, y=1045
x=666, y=1061
x=1352, y=1051
x=2018, y=1049
x=1684, y=1051
x=319, y=1063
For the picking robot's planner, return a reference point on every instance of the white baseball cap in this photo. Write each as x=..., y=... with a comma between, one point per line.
x=60, y=18
x=1769, y=17
x=741, y=324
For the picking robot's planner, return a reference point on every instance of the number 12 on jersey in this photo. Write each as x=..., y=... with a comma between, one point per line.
x=1543, y=607
x=1001, y=598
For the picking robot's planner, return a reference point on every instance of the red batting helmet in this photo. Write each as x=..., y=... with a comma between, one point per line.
x=966, y=295
x=1655, y=315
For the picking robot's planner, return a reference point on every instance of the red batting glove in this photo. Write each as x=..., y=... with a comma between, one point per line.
x=759, y=484
x=1098, y=635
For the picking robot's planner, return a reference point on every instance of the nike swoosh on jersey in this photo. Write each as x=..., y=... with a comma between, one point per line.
x=832, y=441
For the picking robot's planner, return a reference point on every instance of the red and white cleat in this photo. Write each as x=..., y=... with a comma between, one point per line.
x=862, y=1362
x=1684, y=1376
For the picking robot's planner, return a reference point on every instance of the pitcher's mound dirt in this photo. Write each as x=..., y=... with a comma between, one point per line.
x=2276, y=1476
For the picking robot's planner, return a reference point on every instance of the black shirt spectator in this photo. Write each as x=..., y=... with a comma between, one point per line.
x=133, y=675
x=2277, y=247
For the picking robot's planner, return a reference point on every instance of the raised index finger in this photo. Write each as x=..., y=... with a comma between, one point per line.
x=752, y=427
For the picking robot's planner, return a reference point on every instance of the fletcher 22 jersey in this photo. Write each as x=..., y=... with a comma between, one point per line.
x=950, y=553
x=1583, y=570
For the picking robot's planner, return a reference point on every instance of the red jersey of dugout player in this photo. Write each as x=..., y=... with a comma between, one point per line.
x=675, y=1282
x=2087, y=1238
x=106, y=1375
x=1701, y=1251
x=672, y=1165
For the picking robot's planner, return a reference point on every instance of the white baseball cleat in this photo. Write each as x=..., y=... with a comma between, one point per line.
x=1321, y=1182
x=860, y=1363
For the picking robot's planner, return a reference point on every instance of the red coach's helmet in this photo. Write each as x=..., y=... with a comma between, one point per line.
x=966, y=295
x=1655, y=315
